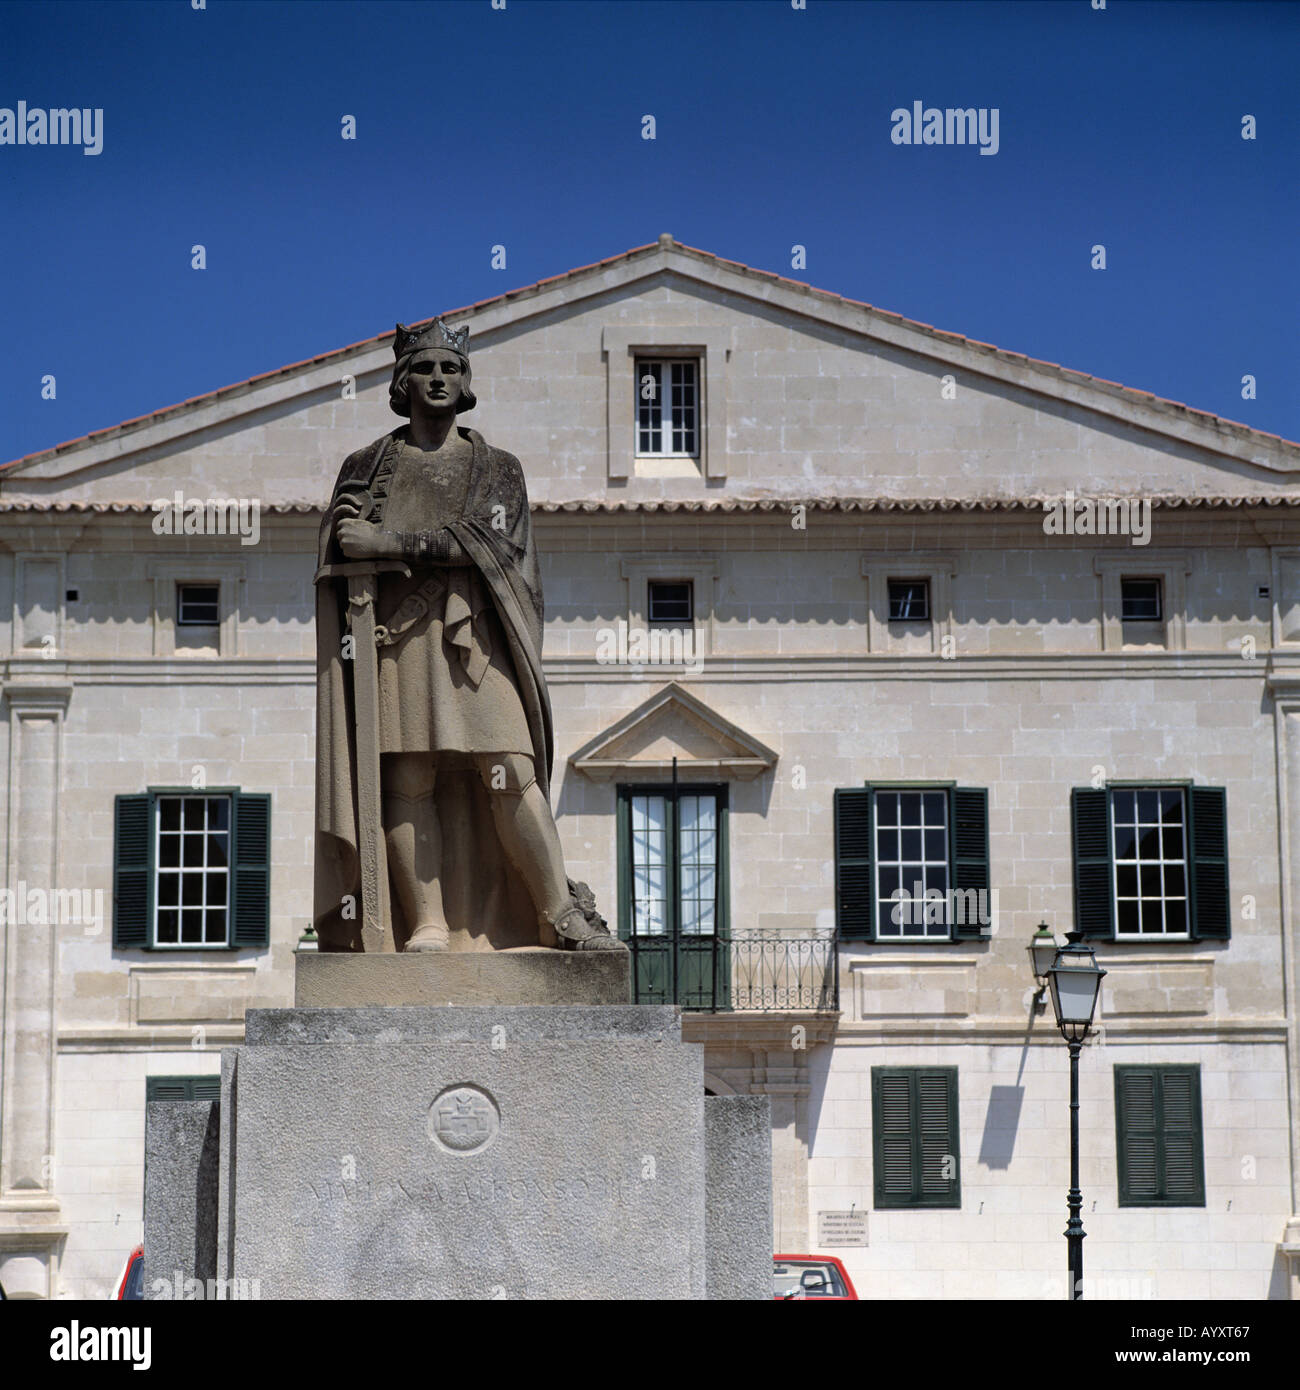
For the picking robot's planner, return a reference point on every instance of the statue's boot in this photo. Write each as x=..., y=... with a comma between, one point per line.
x=428, y=938
x=573, y=930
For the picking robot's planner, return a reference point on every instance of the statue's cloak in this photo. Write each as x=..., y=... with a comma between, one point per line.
x=487, y=907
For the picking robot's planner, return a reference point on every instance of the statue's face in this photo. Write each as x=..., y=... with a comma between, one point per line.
x=435, y=382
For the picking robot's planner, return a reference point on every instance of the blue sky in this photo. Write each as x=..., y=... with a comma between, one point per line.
x=523, y=127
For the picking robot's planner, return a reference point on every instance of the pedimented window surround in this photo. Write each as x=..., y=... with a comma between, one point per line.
x=1172, y=569
x=227, y=575
x=673, y=723
x=938, y=568
x=621, y=345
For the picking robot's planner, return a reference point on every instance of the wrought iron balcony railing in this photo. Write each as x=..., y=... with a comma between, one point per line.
x=737, y=971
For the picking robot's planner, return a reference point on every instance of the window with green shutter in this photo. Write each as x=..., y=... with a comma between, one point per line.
x=912, y=863
x=192, y=869
x=1158, y=1136
x=915, y=1136
x=182, y=1088
x=1150, y=862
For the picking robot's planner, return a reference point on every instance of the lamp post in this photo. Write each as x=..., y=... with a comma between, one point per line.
x=1075, y=982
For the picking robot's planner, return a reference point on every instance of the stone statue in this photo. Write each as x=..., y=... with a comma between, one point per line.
x=433, y=736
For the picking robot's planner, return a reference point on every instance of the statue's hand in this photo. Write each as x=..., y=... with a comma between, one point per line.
x=362, y=540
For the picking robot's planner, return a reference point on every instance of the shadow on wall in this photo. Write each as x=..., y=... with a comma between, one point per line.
x=1001, y=1121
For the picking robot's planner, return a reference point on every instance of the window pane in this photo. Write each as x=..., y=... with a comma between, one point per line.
x=193, y=870
x=698, y=851
x=1150, y=887
x=912, y=861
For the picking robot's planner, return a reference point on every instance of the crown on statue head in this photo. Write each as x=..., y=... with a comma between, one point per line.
x=435, y=337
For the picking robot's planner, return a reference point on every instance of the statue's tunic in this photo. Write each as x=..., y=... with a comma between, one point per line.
x=446, y=679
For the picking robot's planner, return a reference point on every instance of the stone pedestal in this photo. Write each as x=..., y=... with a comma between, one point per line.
x=489, y=1150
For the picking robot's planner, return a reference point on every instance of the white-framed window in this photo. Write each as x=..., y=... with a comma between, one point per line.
x=1149, y=854
x=192, y=848
x=668, y=407
x=912, y=864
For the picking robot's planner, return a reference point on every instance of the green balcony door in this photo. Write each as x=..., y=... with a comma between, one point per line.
x=672, y=894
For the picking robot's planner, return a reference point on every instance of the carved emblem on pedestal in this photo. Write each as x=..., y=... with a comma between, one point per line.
x=463, y=1119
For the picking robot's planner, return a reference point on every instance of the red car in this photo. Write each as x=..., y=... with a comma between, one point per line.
x=812, y=1276
x=131, y=1284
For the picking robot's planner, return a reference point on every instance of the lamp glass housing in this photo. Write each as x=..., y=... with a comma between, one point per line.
x=1075, y=980
x=1042, y=950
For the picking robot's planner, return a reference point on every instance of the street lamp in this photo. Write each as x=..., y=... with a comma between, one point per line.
x=1075, y=982
x=1042, y=952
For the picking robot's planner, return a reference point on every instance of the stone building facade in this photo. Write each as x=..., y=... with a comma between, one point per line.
x=809, y=631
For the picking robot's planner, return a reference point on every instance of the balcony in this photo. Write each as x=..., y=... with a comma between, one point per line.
x=738, y=971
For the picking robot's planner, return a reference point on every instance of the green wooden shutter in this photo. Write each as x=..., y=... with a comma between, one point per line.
x=132, y=869
x=891, y=1127
x=252, y=869
x=182, y=1088
x=1180, y=1116
x=1160, y=1146
x=969, y=817
x=853, y=868
x=1211, y=916
x=1094, y=900
x=1137, y=1144
x=915, y=1136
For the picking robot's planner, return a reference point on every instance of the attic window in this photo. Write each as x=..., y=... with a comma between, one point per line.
x=1140, y=600
x=909, y=600
x=671, y=601
x=197, y=605
x=668, y=407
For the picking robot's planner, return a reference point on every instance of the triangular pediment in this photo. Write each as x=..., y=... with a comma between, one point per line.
x=1015, y=429
x=673, y=723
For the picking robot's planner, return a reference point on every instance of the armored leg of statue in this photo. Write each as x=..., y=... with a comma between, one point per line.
x=414, y=844
x=527, y=832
